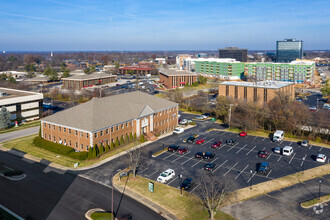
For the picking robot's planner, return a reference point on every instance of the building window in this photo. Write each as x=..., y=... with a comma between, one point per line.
x=54, y=127
x=227, y=91
x=64, y=129
x=86, y=147
x=112, y=129
x=54, y=139
x=245, y=92
x=236, y=92
x=122, y=126
x=49, y=137
x=59, y=128
x=69, y=143
x=76, y=145
x=86, y=135
x=82, y=134
x=64, y=141
x=101, y=133
x=48, y=125
x=45, y=136
x=45, y=124
x=117, y=127
x=69, y=131
x=82, y=146
x=76, y=132
x=156, y=123
x=131, y=123
x=107, y=131
x=95, y=134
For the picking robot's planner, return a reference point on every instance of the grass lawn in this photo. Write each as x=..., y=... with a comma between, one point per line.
x=20, y=127
x=161, y=95
x=26, y=145
x=313, y=202
x=101, y=216
x=187, y=206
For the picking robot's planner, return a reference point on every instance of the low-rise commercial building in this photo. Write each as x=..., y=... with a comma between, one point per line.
x=104, y=120
x=172, y=79
x=259, y=93
x=180, y=60
x=137, y=70
x=78, y=82
x=22, y=105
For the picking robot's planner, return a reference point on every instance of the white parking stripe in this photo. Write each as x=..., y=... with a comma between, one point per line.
x=144, y=170
x=232, y=147
x=241, y=172
x=241, y=149
x=196, y=163
x=290, y=143
x=214, y=160
x=269, y=155
x=255, y=138
x=152, y=173
x=194, y=188
x=180, y=157
x=207, y=141
x=252, y=176
x=187, y=160
x=230, y=169
x=320, y=149
x=171, y=181
x=269, y=173
x=263, y=139
x=219, y=166
x=292, y=157
x=221, y=146
x=168, y=156
x=279, y=158
x=250, y=150
x=311, y=147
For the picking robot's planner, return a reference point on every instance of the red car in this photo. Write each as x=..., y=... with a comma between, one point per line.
x=182, y=150
x=216, y=144
x=263, y=154
x=200, y=141
x=243, y=134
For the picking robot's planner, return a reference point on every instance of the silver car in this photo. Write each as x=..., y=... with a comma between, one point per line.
x=304, y=143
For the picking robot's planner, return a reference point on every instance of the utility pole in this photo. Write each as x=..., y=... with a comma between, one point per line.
x=100, y=92
x=229, y=119
x=112, y=198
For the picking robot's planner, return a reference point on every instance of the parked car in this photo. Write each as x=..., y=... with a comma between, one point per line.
x=216, y=144
x=178, y=130
x=199, y=155
x=321, y=158
x=183, y=122
x=278, y=136
x=243, y=134
x=187, y=183
x=166, y=176
x=263, y=168
x=190, y=139
x=209, y=166
x=231, y=142
x=182, y=150
x=206, y=115
x=208, y=155
x=312, y=108
x=287, y=151
x=277, y=150
x=263, y=154
x=200, y=141
x=304, y=143
x=199, y=117
x=173, y=148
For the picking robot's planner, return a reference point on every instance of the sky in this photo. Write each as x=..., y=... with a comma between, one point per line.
x=107, y=25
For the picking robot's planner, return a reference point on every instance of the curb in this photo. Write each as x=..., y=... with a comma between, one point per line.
x=146, y=202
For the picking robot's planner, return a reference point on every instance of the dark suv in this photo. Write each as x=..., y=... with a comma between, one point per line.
x=190, y=139
x=263, y=168
x=173, y=148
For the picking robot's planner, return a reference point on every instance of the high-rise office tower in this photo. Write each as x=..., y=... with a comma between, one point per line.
x=233, y=52
x=288, y=50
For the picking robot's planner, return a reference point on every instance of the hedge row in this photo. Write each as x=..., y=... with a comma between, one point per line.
x=59, y=149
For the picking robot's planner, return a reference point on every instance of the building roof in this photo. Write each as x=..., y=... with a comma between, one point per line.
x=100, y=113
x=135, y=68
x=89, y=77
x=216, y=60
x=174, y=72
x=261, y=84
x=38, y=79
x=7, y=94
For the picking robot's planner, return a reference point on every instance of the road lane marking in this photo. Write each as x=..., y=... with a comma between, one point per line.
x=232, y=147
x=241, y=149
x=279, y=158
x=219, y=166
x=241, y=172
x=269, y=155
x=187, y=160
x=196, y=163
x=269, y=173
x=230, y=169
x=168, y=156
x=252, y=176
x=152, y=173
x=251, y=150
x=171, y=181
x=292, y=157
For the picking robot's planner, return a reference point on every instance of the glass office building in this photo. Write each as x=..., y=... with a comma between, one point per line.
x=288, y=50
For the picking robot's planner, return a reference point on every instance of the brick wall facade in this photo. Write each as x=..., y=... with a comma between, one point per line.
x=172, y=82
x=79, y=84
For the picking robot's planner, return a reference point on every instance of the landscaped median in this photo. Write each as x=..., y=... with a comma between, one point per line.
x=316, y=201
x=166, y=197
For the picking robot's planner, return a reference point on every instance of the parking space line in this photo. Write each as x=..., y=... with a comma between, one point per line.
x=241, y=149
x=230, y=169
x=263, y=139
x=221, y=146
x=232, y=147
x=144, y=170
x=252, y=176
x=255, y=138
x=292, y=157
x=180, y=157
x=320, y=149
x=251, y=150
x=279, y=158
x=269, y=155
x=214, y=160
x=269, y=173
x=196, y=163
x=290, y=143
x=219, y=166
x=207, y=141
x=187, y=160
x=152, y=173
x=311, y=147
x=168, y=156
x=171, y=181
x=304, y=158
x=194, y=188
x=241, y=172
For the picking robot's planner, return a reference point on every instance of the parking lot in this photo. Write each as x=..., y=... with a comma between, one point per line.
x=236, y=164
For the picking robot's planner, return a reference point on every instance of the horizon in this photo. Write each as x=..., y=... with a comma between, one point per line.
x=85, y=25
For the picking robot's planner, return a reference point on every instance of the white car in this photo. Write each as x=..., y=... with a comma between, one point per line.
x=321, y=158
x=178, y=130
x=183, y=122
x=199, y=117
x=166, y=176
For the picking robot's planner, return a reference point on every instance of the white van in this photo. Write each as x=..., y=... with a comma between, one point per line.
x=278, y=136
x=287, y=151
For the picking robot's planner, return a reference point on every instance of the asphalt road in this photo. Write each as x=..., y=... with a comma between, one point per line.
x=17, y=134
x=47, y=193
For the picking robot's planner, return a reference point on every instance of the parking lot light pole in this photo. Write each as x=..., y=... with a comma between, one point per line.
x=251, y=179
x=320, y=189
x=317, y=103
x=180, y=182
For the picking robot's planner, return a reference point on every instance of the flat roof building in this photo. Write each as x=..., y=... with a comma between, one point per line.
x=22, y=105
x=110, y=118
x=78, y=82
x=233, y=52
x=256, y=92
x=172, y=78
x=138, y=70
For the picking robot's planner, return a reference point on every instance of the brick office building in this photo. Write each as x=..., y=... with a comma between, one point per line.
x=78, y=82
x=260, y=92
x=172, y=79
x=140, y=70
x=106, y=119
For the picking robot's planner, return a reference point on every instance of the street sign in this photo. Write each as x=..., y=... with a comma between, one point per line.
x=151, y=187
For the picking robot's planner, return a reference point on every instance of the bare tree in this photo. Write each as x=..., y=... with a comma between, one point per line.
x=212, y=192
x=135, y=158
